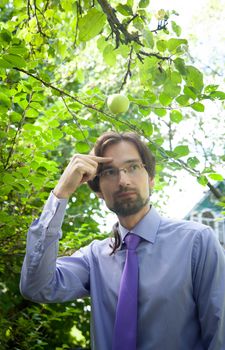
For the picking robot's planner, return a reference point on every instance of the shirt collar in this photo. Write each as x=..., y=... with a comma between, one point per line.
x=146, y=228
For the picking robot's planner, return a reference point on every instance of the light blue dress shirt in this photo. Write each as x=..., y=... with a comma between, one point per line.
x=181, y=303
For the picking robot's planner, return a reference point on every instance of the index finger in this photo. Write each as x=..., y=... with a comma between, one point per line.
x=101, y=159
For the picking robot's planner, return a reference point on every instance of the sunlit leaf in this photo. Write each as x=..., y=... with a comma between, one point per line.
x=91, y=24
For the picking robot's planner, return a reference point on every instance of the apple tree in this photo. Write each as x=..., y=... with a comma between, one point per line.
x=59, y=62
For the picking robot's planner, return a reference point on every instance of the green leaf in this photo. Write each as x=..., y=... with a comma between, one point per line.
x=176, y=116
x=194, y=78
x=175, y=77
x=15, y=60
x=161, y=45
x=202, y=180
x=15, y=117
x=192, y=162
x=67, y=5
x=216, y=177
x=210, y=88
x=217, y=95
x=5, y=36
x=197, y=106
x=147, y=127
x=173, y=43
x=91, y=24
x=4, y=100
x=176, y=28
x=17, y=50
x=8, y=179
x=171, y=89
x=143, y=3
x=182, y=100
x=125, y=10
x=161, y=112
x=181, y=151
x=4, y=64
x=190, y=91
x=32, y=113
x=180, y=65
x=82, y=147
x=164, y=99
x=109, y=55
x=159, y=76
x=57, y=134
x=148, y=38
x=101, y=43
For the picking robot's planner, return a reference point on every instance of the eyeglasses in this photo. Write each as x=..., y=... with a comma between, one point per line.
x=131, y=169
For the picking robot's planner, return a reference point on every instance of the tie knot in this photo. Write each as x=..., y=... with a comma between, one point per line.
x=132, y=241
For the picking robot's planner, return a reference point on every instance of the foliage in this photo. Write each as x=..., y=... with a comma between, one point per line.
x=58, y=62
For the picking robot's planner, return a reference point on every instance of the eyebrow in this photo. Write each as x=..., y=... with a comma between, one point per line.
x=108, y=166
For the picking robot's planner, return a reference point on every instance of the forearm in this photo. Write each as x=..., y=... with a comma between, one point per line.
x=39, y=265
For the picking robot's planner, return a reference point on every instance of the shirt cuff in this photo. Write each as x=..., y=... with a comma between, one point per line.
x=53, y=213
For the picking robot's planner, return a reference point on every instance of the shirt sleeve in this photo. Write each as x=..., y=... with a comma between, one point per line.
x=44, y=277
x=209, y=288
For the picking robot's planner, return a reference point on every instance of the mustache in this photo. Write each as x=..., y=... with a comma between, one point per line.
x=124, y=190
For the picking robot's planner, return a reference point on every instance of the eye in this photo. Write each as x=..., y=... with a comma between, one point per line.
x=134, y=167
x=109, y=172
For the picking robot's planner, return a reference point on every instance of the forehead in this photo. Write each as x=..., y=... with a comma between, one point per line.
x=122, y=152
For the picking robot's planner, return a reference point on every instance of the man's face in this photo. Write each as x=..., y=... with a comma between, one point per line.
x=128, y=192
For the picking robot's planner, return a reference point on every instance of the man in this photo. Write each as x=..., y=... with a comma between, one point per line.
x=180, y=301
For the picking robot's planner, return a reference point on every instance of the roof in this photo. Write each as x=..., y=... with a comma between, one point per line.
x=208, y=201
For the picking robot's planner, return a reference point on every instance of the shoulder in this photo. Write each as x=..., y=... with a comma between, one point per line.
x=184, y=227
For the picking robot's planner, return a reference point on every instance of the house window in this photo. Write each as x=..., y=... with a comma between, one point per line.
x=208, y=219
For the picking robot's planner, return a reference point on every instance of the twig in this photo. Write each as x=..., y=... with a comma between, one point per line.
x=128, y=72
x=28, y=9
x=37, y=20
x=152, y=54
x=76, y=121
x=161, y=25
x=76, y=29
x=17, y=133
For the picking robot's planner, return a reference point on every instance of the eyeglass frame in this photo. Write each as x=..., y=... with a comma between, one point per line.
x=118, y=170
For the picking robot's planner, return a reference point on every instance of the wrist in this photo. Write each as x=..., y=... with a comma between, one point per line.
x=60, y=194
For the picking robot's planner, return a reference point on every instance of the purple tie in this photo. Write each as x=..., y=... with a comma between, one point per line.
x=125, y=329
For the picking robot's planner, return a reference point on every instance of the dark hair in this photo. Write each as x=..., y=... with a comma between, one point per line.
x=111, y=137
x=148, y=159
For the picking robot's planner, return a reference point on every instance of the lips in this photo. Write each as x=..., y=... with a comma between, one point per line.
x=125, y=194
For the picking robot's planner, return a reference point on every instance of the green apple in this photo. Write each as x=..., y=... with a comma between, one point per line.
x=117, y=103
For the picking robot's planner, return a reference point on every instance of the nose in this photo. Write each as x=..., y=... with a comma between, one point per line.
x=124, y=178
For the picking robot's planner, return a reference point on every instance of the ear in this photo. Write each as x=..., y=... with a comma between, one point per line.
x=151, y=182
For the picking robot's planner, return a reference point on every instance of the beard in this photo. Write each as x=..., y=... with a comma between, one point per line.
x=128, y=206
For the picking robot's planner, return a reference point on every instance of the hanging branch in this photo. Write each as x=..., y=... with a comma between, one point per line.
x=76, y=121
x=132, y=127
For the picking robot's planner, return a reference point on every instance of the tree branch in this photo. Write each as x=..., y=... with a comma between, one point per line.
x=117, y=27
x=128, y=72
x=111, y=118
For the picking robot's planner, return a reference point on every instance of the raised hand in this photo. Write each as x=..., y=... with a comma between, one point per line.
x=80, y=169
